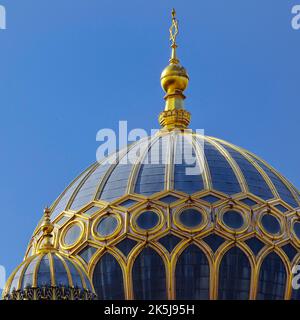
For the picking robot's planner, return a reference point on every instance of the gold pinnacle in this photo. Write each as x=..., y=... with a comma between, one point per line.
x=174, y=80
x=47, y=228
x=174, y=30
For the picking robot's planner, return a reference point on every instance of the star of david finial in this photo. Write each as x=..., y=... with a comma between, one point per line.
x=174, y=29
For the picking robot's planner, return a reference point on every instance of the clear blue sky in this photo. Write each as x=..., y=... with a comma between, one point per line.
x=69, y=68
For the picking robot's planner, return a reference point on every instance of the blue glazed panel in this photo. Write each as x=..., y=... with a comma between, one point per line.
x=234, y=276
x=151, y=176
x=74, y=274
x=116, y=185
x=14, y=284
x=89, y=188
x=87, y=253
x=61, y=205
x=149, y=276
x=270, y=224
x=127, y=203
x=147, y=220
x=185, y=160
x=256, y=183
x=169, y=241
x=284, y=192
x=222, y=175
x=107, y=225
x=214, y=241
x=108, y=279
x=272, y=279
x=192, y=275
x=72, y=235
x=255, y=245
x=27, y=280
x=44, y=274
x=233, y=219
x=126, y=245
x=60, y=273
x=191, y=218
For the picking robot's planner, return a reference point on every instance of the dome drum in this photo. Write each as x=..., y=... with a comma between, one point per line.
x=185, y=222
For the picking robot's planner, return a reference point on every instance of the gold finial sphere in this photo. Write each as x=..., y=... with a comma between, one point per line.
x=174, y=79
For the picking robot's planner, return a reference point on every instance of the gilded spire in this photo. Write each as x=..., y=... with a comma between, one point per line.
x=173, y=35
x=47, y=228
x=174, y=80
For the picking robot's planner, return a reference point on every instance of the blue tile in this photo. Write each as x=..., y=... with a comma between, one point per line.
x=214, y=241
x=169, y=242
x=222, y=175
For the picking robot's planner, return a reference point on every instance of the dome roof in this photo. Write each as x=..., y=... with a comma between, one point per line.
x=49, y=274
x=178, y=215
x=36, y=277
x=220, y=166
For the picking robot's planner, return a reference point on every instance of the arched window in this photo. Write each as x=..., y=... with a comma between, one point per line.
x=234, y=276
x=108, y=279
x=192, y=275
x=149, y=276
x=272, y=278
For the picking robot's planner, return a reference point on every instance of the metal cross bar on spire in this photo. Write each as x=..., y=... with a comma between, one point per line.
x=174, y=29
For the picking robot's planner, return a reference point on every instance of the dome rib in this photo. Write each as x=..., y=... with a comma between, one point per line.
x=264, y=176
x=70, y=279
x=152, y=173
x=79, y=188
x=52, y=271
x=41, y=275
x=80, y=275
x=109, y=173
x=169, y=163
x=283, y=181
x=88, y=190
x=224, y=178
x=12, y=278
x=28, y=275
x=227, y=168
x=37, y=269
x=203, y=162
x=141, y=166
x=24, y=269
x=117, y=182
x=296, y=192
x=183, y=181
x=236, y=169
x=135, y=168
x=61, y=202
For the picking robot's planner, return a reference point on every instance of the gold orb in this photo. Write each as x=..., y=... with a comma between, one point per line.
x=174, y=77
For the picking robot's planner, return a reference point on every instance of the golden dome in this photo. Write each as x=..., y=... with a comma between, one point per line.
x=204, y=219
x=48, y=274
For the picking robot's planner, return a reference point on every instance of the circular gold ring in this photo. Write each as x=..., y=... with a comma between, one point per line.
x=183, y=227
x=66, y=229
x=96, y=223
x=138, y=229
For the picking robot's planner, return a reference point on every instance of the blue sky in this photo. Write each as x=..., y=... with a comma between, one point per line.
x=69, y=68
